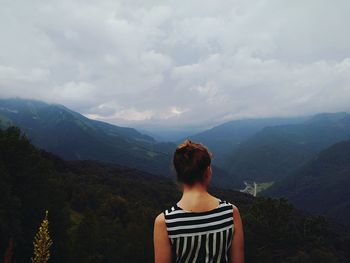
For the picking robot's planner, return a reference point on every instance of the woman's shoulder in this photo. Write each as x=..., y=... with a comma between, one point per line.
x=159, y=220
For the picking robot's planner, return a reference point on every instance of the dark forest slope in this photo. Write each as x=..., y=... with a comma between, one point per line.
x=322, y=185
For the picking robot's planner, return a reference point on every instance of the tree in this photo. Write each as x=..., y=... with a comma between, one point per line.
x=42, y=242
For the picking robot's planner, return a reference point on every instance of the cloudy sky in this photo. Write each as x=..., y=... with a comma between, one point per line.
x=185, y=63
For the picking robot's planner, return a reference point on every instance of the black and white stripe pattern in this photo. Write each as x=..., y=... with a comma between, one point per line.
x=200, y=236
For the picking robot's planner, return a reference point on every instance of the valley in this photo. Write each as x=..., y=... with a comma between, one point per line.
x=254, y=188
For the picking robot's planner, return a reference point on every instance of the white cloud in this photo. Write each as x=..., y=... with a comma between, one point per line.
x=178, y=62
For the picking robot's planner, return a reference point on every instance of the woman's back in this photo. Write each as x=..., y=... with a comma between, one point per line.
x=200, y=236
x=212, y=231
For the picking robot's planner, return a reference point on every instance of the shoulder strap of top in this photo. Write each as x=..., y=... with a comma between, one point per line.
x=224, y=202
x=170, y=209
x=175, y=207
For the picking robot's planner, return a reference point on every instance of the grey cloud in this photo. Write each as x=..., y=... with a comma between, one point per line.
x=175, y=63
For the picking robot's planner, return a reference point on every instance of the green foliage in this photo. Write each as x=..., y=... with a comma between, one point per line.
x=29, y=186
x=278, y=234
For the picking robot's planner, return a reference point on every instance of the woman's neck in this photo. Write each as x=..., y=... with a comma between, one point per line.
x=197, y=189
x=196, y=198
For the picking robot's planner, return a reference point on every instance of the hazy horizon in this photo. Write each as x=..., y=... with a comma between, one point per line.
x=165, y=133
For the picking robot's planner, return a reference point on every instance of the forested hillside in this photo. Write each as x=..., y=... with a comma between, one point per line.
x=100, y=212
x=72, y=136
x=322, y=185
x=274, y=152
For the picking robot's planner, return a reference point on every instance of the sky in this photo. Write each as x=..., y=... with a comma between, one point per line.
x=190, y=63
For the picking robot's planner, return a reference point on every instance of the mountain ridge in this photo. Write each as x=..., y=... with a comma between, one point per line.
x=321, y=185
x=276, y=151
x=226, y=137
x=71, y=135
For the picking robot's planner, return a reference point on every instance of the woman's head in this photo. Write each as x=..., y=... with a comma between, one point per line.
x=192, y=162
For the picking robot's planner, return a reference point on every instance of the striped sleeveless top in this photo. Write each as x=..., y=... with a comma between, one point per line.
x=200, y=236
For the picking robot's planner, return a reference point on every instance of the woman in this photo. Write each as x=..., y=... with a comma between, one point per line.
x=200, y=227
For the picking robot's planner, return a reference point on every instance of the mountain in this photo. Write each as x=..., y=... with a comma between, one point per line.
x=274, y=152
x=167, y=134
x=99, y=212
x=226, y=137
x=71, y=135
x=322, y=185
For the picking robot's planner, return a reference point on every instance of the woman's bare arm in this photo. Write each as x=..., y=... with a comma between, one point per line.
x=237, y=247
x=162, y=247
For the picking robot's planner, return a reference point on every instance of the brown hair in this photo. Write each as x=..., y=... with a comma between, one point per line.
x=190, y=161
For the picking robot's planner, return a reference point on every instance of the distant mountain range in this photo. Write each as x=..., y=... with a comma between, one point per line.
x=223, y=139
x=259, y=150
x=71, y=135
x=322, y=185
x=274, y=152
